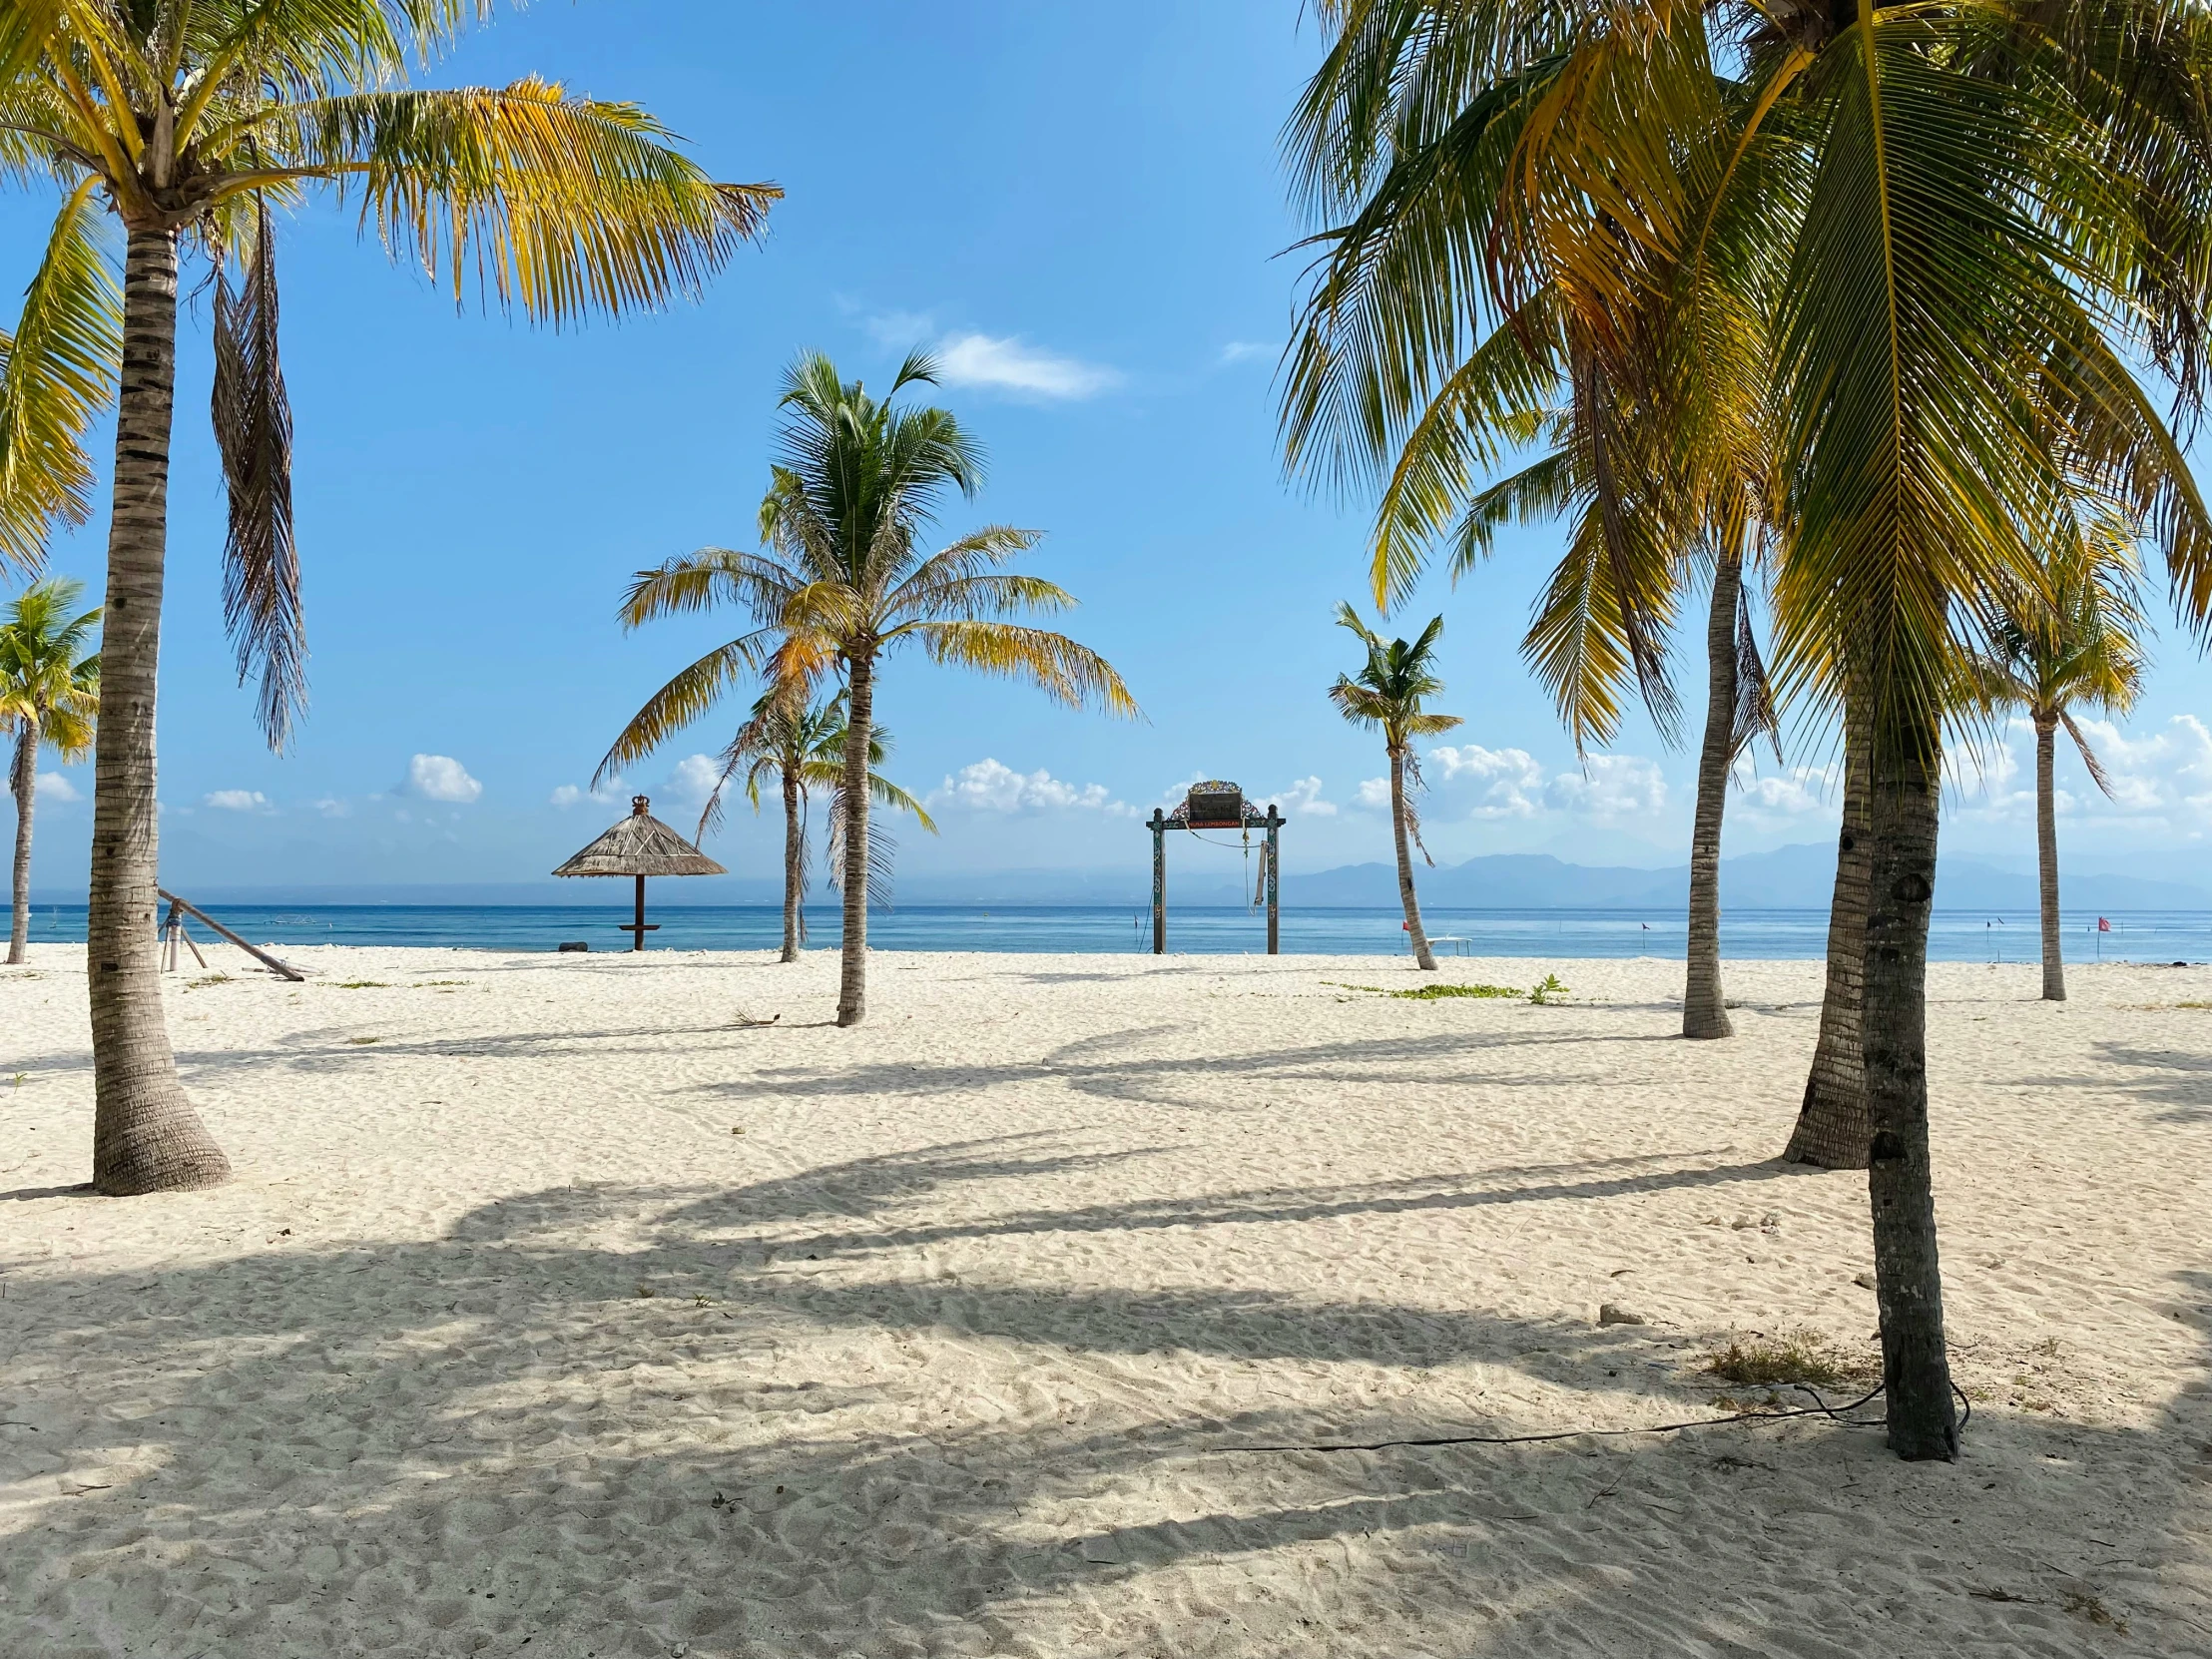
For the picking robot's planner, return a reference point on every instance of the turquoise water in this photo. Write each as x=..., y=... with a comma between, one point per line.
x=1958, y=937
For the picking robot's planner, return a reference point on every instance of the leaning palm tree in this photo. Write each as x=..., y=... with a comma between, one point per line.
x=844, y=581
x=50, y=695
x=2075, y=642
x=1385, y=696
x=799, y=747
x=191, y=123
x=1958, y=227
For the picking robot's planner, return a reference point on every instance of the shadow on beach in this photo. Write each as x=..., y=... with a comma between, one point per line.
x=813, y=1441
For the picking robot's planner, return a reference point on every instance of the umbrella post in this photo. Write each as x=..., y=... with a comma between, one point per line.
x=640, y=927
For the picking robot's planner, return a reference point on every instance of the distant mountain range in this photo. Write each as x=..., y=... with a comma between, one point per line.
x=1790, y=878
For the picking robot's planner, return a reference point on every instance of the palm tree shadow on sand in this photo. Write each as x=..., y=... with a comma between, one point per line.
x=492, y=1435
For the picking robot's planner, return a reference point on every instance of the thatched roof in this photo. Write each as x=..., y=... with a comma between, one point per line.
x=641, y=845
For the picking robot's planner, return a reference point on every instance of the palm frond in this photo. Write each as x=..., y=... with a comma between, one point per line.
x=252, y=429
x=1065, y=671
x=555, y=204
x=683, y=700
x=57, y=373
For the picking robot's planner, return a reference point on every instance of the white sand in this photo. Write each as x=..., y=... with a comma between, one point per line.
x=947, y=1353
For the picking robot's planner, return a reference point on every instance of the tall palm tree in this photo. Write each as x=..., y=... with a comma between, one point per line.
x=49, y=693
x=801, y=747
x=2074, y=642
x=190, y=122
x=845, y=580
x=1385, y=696
x=1918, y=246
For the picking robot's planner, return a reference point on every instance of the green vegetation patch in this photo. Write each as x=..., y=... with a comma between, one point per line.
x=1431, y=994
x=358, y=985
x=1778, y=1362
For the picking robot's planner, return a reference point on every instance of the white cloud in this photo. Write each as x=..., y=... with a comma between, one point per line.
x=1010, y=366
x=1799, y=790
x=332, y=807
x=1244, y=350
x=2161, y=780
x=1305, y=796
x=54, y=786
x=1609, y=786
x=692, y=779
x=440, y=778
x=237, y=800
x=990, y=786
x=1373, y=794
x=1514, y=784
x=1511, y=779
x=999, y=362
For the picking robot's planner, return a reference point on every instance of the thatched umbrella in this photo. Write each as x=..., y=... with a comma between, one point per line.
x=641, y=845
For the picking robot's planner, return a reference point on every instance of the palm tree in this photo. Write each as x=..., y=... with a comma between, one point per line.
x=190, y=121
x=844, y=581
x=801, y=747
x=1916, y=246
x=1833, y=1129
x=2074, y=641
x=49, y=693
x=1385, y=696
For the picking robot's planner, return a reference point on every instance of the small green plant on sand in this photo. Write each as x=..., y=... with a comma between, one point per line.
x=1777, y=1361
x=1549, y=992
x=358, y=985
x=206, y=980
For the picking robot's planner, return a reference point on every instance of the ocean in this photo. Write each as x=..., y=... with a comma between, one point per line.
x=1956, y=936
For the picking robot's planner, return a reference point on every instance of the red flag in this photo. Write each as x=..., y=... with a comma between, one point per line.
x=2103, y=926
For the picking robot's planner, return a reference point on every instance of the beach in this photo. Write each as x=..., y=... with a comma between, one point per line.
x=600, y=1305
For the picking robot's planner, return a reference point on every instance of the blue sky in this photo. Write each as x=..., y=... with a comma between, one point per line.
x=1083, y=209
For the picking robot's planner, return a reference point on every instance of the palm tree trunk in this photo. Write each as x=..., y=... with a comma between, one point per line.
x=859, y=720
x=1704, y=1008
x=145, y=1136
x=1422, y=955
x=1832, y=1127
x=795, y=856
x=1909, y=1284
x=23, y=783
x=2046, y=855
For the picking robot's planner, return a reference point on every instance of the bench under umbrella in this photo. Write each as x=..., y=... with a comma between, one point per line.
x=641, y=845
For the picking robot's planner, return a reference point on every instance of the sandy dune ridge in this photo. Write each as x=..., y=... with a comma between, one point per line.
x=505, y=1342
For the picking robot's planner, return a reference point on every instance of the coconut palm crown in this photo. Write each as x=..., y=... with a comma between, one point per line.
x=50, y=697
x=798, y=747
x=846, y=578
x=1387, y=695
